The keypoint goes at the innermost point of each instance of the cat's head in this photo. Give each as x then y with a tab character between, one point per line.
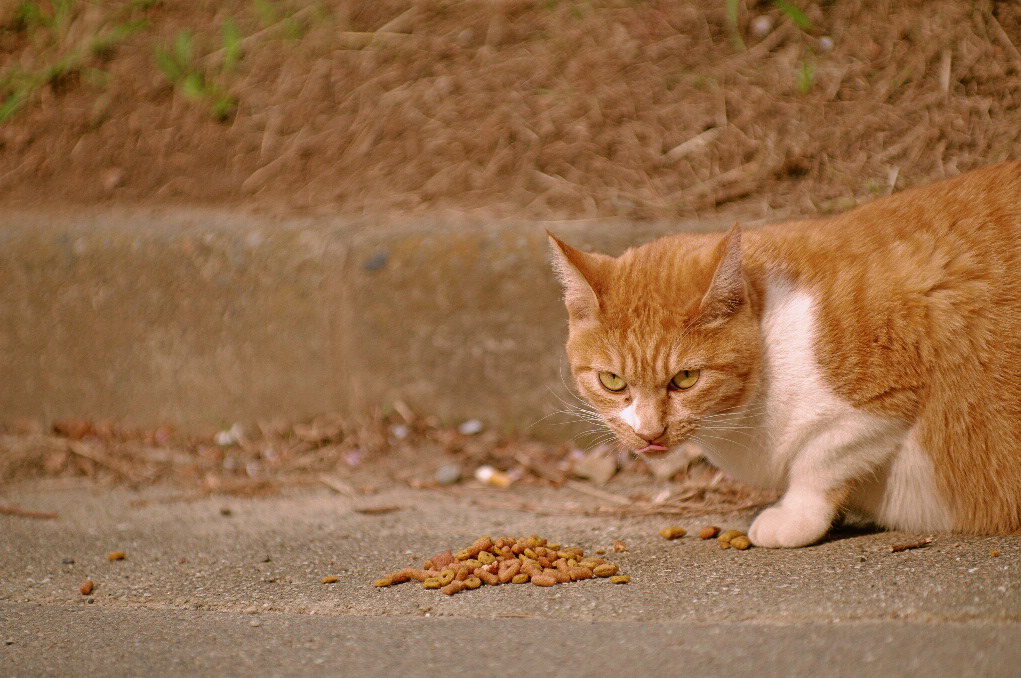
663	340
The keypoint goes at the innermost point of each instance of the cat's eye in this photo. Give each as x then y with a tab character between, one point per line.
611	382
684	379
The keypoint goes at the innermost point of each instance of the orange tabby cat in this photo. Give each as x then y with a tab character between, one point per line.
867	365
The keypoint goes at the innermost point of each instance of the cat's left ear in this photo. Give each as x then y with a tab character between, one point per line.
728	291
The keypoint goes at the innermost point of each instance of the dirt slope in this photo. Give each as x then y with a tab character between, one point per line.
538	108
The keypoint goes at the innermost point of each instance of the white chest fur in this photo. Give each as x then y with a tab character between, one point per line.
812	444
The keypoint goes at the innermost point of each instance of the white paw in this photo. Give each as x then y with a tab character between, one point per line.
789	527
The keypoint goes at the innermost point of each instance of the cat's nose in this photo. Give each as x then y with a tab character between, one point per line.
651	437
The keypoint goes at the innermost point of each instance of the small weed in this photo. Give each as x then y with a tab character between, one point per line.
47	23
266	12
31	15
182	69
793	12
16	90
103	43
805	78
733	7
232	51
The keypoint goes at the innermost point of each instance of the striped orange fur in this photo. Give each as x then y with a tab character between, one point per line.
867	364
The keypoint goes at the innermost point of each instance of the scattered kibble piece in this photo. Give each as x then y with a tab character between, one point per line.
727	535
620	579
87	586
994	553
672	532
116	555
740	542
619	546
329	580
504	560
708	532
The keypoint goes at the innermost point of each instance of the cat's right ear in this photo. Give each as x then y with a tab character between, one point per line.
578	272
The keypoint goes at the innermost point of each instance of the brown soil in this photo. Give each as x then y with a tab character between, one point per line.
523	108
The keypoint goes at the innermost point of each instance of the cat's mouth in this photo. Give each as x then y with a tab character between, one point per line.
654	449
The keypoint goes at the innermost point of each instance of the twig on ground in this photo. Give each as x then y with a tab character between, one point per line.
599	494
25	513
337	485
377	510
83	450
921	543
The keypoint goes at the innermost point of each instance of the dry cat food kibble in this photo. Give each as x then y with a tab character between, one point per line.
87	587
725	540
708	532
740	543
506	560
116	555
672	532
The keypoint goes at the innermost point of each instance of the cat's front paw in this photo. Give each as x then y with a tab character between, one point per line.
786	527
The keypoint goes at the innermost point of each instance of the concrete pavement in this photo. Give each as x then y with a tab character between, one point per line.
229	586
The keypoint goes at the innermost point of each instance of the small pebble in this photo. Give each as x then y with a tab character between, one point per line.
255	622
761	25
470	427
448	474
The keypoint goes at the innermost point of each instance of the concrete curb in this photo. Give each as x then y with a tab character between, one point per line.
199	317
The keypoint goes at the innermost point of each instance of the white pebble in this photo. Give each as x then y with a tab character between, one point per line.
470	427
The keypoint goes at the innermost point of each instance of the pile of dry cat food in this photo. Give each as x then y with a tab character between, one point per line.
506	560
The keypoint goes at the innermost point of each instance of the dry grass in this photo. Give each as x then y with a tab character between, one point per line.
539	109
